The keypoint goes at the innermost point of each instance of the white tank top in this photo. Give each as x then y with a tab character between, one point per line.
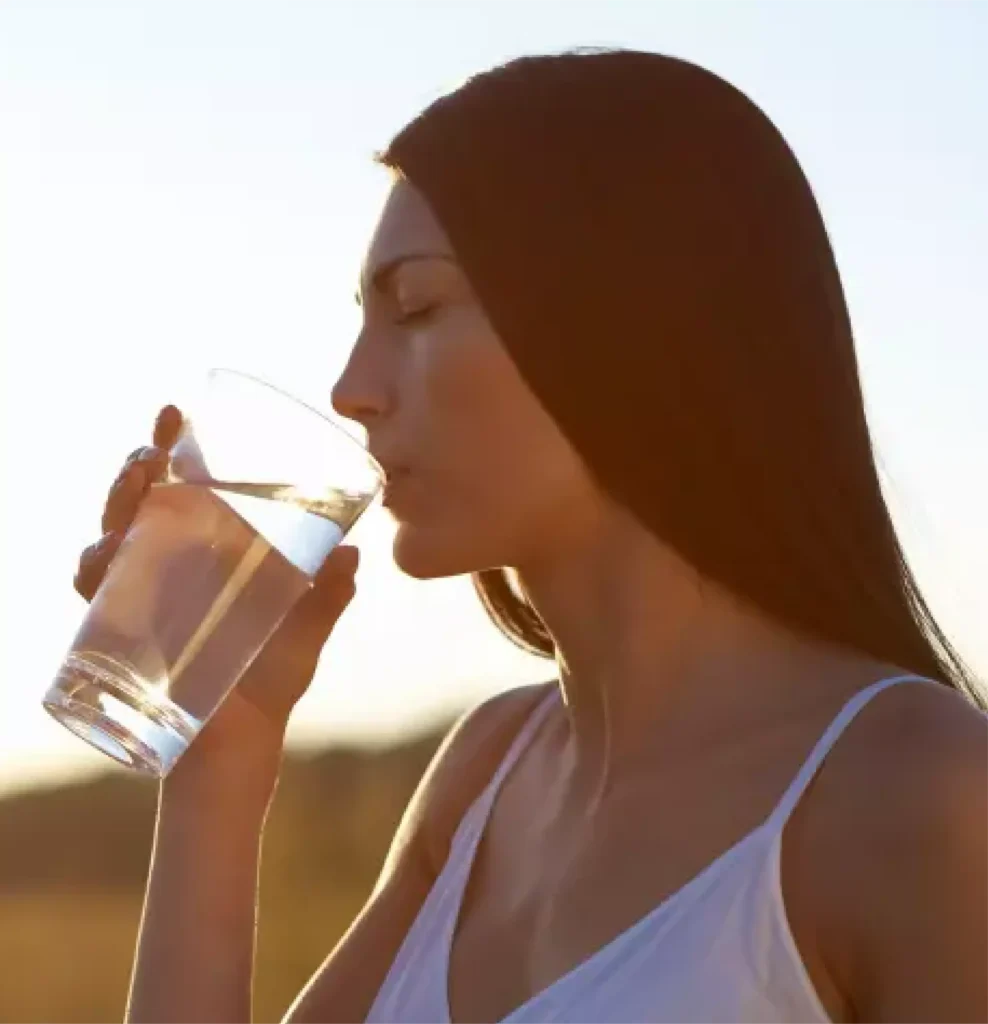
718	949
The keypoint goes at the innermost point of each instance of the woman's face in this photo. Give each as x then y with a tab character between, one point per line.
479	476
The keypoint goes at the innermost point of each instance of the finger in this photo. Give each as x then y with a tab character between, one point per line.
123	501
335	582
332	590
144	467
153	462
342	561
145	454
167	427
94	562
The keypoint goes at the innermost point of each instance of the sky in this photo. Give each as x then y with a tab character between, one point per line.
189	183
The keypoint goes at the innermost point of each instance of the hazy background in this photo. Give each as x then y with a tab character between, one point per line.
184	184
187	184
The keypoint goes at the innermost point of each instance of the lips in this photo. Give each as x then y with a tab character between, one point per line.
395	491
392	471
395	477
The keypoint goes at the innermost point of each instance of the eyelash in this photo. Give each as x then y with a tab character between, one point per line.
416	316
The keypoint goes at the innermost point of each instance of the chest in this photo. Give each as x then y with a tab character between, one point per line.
548	891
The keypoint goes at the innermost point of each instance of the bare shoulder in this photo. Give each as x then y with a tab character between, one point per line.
344	987
463	765
920	752
899	837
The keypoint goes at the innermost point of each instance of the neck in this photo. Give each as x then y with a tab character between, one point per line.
650	656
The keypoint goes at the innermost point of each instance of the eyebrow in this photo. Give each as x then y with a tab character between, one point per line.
382	274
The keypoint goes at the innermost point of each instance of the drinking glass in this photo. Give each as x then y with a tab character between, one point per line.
259	490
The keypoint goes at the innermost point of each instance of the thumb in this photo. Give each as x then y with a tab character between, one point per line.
343	560
332	590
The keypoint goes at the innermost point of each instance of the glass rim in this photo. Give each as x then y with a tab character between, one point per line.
228	371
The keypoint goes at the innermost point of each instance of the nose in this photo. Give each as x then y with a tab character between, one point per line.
360	393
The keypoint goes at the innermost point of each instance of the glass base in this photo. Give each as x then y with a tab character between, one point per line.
108	706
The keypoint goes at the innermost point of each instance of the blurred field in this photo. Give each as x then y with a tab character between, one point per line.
73	862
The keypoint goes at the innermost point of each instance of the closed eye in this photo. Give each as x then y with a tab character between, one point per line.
416	316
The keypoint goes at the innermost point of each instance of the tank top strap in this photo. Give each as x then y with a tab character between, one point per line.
525	736
843	719
474	821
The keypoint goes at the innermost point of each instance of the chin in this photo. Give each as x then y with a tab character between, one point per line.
427	554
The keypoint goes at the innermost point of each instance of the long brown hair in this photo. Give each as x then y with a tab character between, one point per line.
707	376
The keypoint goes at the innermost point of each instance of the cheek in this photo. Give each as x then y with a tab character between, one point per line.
498	471
487	431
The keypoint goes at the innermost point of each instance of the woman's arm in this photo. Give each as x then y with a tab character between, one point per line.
928	926
195	959
914	894
195	951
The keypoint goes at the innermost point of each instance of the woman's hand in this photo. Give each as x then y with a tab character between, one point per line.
244	737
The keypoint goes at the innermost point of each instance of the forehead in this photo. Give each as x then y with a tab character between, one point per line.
406	226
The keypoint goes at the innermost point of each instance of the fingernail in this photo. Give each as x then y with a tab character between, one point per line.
104	550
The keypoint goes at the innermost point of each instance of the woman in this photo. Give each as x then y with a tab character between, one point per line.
607	364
